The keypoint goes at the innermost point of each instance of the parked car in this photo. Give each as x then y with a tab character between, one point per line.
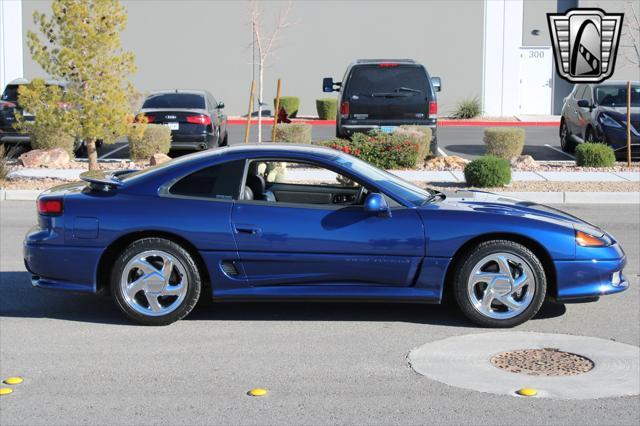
224	227
9	105
196	119
383	94
598	113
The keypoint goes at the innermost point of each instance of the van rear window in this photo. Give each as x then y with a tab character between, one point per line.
367	79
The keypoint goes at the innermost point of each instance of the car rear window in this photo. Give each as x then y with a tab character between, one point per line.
175	100
387	78
221	181
10	93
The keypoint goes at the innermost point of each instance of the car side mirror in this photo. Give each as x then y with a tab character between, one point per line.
376	203
328	85
583	103
437	83
220	105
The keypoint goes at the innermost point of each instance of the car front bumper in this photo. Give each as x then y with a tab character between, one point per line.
579	280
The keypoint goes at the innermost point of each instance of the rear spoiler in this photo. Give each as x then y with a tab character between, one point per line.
103	180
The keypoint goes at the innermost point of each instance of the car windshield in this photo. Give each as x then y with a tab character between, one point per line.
10	93
388	78
616	96
175	100
387	181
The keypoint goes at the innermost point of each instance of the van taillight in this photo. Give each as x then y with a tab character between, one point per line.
50	207
433	109
344	109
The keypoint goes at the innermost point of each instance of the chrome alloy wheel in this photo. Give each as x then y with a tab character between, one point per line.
501	286
154	283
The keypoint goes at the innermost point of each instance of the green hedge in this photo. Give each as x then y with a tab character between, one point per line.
293	132
46	137
488	172
327	108
595	155
504	142
387	151
290	105
155	140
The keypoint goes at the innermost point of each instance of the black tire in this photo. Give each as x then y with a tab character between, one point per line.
180	254
589	136
566	142
225	140
464	269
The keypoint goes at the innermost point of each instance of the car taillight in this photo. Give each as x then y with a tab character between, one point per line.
7	104
150	118
50	206
199	119
344	109
433	109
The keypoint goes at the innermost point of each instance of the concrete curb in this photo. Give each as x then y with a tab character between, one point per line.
536	197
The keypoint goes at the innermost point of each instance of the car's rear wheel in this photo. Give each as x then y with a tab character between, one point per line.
155	282
566	143
500	283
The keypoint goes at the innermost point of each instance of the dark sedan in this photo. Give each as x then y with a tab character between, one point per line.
196	118
598	113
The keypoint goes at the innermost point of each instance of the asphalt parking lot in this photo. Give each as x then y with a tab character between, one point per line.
542	143
322	363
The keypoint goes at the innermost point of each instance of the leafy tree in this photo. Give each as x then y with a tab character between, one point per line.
80	44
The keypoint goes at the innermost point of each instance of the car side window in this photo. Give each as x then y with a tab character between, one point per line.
588	96
221	181
579	92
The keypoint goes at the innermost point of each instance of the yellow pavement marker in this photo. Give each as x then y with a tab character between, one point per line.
13	381
257	392
5	391
527	392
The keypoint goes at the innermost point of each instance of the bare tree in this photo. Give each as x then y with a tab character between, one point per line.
266	44
631	29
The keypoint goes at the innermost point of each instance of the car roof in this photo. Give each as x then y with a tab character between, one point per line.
615	83
381	61
20	81
178	91
270	146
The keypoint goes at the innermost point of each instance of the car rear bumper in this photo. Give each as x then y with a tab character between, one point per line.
62	267
191	142
588	279
13	137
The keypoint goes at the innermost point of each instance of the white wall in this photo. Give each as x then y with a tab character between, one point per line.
10	41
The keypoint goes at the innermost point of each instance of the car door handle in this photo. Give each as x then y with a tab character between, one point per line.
247	229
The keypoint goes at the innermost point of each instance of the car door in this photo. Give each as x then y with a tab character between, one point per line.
315	243
572	109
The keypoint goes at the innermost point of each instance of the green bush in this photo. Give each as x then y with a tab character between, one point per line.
469	108
504	142
327	108
420	134
290	105
45	137
293	132
156	139
595	155
488	172
387	151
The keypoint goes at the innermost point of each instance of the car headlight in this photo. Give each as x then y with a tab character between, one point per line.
608	121
587	236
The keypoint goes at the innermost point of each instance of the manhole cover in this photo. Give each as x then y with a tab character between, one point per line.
542	362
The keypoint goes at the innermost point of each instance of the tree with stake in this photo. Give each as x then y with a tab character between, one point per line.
80	44
265	46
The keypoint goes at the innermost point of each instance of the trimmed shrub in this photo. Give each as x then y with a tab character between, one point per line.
293	132
488	172
156	139
420	134
595	155
290	104
387	151
504	142
469	108
327	108
45	137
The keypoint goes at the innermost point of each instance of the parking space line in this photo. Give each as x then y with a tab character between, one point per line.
111	152
560	151
442	152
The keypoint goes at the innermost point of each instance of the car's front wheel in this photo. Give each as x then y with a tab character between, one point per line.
500	283
566	143
155	281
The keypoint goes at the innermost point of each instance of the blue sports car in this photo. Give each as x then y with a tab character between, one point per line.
287	222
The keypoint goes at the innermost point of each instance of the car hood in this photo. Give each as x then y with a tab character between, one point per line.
487	202
620	112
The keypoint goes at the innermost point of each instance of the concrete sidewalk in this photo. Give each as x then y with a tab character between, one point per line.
411	175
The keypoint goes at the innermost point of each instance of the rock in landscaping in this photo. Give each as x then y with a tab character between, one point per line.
451	162
55	158
524	162
158	159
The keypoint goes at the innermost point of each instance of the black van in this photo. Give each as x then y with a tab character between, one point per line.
383	94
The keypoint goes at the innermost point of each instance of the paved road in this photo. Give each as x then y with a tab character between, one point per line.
541	142
322	363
